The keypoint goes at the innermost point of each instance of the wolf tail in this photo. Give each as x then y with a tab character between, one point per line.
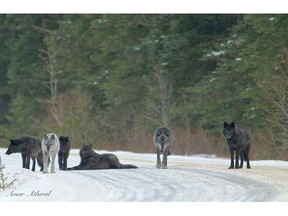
127	166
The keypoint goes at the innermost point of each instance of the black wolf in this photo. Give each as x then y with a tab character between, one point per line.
29	147
238	140
162	141
90	160
63	153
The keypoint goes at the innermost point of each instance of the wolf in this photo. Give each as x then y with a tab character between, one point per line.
90	160
238	140
29	147
50	147
162	138
63	153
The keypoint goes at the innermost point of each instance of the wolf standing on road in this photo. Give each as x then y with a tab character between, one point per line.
63	153
239	141
162	141
29	147
50	147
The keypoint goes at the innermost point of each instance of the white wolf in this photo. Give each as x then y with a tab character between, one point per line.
162	141
50	147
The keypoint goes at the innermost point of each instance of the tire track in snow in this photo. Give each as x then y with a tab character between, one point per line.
177	184
231	187
129	185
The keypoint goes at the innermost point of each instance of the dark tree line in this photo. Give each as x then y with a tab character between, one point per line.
112	79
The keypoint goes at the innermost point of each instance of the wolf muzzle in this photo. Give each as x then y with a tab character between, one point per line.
228	136
48	147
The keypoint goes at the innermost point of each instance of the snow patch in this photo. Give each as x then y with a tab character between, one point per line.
218	53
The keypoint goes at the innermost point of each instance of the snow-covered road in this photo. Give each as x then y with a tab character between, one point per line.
186	179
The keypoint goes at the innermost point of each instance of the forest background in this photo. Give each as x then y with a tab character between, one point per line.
112	79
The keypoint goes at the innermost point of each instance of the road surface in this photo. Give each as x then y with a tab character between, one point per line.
187	179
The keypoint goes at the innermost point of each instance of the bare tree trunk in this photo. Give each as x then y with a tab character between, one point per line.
164	94
48	56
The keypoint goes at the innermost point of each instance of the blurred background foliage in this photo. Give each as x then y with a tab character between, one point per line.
112	79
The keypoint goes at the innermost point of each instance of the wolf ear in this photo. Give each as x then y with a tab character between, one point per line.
13	142
233	125
225	124
90	146
45	136
52	137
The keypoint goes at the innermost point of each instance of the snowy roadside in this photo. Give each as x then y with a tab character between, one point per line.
187	179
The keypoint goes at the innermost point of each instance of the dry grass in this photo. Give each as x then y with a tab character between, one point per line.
196	142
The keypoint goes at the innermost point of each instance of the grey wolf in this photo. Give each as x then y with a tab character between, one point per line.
239	141
163	138
29	147
50	147
90	160
63	153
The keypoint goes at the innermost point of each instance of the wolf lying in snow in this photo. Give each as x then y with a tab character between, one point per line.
90	160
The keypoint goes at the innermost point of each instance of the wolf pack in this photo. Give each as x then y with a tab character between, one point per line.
44	152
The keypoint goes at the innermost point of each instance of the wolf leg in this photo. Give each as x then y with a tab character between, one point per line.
158	164
79	167
237	159
23	160
242	159
113	163
232	158
60	159
52	170
27	165
45	162
64	166
34	163
247	157
248	164
164	160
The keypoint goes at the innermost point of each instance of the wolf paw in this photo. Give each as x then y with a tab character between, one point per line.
164	167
